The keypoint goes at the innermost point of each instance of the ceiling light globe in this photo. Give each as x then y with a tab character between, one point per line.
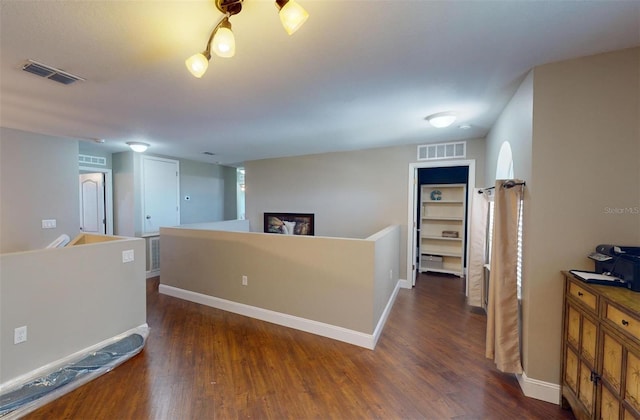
197	64
293	16
224	43
442	120
137	146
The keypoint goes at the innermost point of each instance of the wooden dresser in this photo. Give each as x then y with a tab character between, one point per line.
600	351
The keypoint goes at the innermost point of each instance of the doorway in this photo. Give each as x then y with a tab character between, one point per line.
413	224
96	200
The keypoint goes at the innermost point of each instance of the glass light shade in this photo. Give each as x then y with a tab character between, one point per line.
292	16
224	43
137	146
441	120
197	64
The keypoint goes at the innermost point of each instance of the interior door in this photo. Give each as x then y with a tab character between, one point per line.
161	194
92	209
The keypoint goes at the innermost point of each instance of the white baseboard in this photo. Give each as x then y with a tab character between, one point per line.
539	390
319	328
153	273
57	364
405	284
385	314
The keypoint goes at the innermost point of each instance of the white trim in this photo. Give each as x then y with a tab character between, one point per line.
539	390
405	284
385	314
153	273
108	191
319	328
413	185
57	364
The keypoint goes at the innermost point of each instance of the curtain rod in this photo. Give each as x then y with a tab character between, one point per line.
508	184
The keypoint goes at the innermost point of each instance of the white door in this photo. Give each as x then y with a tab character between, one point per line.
92	218
160	194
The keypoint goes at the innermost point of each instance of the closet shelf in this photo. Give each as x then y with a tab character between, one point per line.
441	238
438	253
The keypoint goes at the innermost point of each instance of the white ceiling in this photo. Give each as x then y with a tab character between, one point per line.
358	74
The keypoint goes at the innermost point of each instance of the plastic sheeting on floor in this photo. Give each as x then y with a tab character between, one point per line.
27	397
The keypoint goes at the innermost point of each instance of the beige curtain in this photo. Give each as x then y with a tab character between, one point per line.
503	341
477	245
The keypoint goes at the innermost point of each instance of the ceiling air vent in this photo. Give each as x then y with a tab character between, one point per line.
50	73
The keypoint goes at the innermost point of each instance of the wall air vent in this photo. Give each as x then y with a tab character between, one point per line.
442	151
50	73
92	160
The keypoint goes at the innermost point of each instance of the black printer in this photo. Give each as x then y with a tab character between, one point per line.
622	262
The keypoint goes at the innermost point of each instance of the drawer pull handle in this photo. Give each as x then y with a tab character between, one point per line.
580	294
625	322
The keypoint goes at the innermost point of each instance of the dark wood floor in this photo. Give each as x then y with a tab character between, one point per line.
203	363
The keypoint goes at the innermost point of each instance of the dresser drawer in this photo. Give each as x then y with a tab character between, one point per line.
583	295
624	321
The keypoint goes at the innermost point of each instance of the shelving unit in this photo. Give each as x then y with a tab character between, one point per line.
442	209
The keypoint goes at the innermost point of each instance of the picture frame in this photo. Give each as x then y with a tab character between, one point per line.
289	223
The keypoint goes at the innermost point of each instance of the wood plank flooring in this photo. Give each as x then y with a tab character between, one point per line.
203	363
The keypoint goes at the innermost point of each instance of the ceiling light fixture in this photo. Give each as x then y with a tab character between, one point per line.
222	41
138	146
441	119
292	15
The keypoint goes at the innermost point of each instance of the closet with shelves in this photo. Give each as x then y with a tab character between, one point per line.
442	228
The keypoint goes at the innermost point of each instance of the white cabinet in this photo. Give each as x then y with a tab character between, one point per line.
442	228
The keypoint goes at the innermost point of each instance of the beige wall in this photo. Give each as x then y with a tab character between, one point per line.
515	126
586	144
351	193
69	299
336	281
38	180
579	154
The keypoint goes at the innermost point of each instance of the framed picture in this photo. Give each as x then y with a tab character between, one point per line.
289	223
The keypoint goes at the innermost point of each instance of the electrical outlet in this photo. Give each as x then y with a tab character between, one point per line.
49	224
20	335
245	281
127	256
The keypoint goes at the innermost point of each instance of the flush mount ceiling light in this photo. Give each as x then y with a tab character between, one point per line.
222	41
441	119
138	146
